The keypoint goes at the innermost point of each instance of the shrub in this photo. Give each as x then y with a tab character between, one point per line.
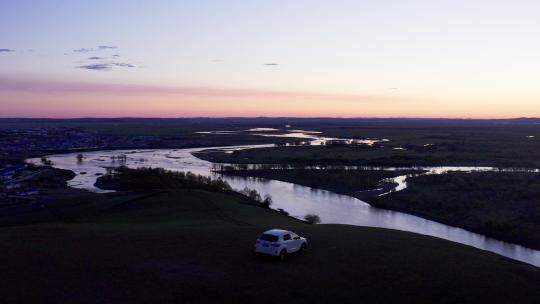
283	211
46	162
256	196
267	201
312	219
123	178
252	194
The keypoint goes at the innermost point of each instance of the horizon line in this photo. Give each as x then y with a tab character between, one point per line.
272	117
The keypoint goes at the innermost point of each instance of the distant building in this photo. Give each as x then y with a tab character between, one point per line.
12	186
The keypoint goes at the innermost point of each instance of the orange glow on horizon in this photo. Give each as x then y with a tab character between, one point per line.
56	99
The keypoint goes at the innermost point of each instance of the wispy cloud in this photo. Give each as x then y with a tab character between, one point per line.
123	64
108	66
83	50
96	67
6	50
99	48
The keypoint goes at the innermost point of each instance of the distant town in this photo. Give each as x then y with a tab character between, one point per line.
23	182
21	141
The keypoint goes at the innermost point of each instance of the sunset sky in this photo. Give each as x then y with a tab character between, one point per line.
470	59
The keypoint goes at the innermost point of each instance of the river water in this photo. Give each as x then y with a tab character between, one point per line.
295	199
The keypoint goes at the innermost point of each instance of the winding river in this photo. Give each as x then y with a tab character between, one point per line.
296	200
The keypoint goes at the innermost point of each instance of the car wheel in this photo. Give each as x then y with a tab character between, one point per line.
282	255
303	249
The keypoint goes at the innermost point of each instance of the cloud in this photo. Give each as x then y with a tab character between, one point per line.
6	50
271	64
96	67
122	64
83	50
99	48
108	66
96	58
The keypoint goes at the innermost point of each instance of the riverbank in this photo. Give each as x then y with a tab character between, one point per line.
196	246
362	184
500	205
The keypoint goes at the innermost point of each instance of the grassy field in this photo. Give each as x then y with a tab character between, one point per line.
420	144
505	206
195	246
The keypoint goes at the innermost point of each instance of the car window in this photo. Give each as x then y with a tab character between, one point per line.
269	238
286	237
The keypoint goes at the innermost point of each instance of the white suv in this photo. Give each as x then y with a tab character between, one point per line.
277	242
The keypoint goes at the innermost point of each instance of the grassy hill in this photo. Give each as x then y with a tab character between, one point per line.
193	246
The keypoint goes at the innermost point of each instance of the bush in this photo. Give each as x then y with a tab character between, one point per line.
46	162
256	196
123	178
280	210
312	219
267	201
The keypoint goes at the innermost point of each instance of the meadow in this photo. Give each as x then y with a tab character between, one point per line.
439	143
505	206
193	245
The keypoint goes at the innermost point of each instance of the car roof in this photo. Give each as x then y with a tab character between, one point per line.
277	232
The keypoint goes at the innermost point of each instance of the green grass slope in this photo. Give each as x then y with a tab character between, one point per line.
194	246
